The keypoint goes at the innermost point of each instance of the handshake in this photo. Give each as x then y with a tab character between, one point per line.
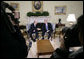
37	29
47	31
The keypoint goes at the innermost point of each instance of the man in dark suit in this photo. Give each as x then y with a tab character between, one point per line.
33	29
47	27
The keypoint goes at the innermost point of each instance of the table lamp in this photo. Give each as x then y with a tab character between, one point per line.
71	19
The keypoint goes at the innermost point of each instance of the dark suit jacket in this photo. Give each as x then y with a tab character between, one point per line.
49	27
32	27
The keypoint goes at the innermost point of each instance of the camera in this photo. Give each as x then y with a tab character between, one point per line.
71	37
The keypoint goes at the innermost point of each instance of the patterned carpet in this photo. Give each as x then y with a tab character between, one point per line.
33	50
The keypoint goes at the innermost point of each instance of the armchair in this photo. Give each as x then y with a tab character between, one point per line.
58	29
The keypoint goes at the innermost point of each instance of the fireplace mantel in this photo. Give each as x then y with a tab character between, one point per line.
39	19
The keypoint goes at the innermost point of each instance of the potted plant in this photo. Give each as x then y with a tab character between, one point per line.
38	14
29	14
45	13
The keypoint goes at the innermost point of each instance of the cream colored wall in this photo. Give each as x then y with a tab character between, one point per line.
75	7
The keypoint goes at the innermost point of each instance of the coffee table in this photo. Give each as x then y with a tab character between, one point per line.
44	47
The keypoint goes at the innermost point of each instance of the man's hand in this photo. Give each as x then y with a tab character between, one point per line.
38	29
48	30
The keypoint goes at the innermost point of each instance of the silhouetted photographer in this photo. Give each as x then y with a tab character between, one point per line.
12	42
73	37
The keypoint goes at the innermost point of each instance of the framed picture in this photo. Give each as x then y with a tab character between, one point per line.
37	6
59	10
15	6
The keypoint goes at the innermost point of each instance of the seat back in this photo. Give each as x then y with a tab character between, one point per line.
53	26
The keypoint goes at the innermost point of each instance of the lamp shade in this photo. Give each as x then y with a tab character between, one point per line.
71	18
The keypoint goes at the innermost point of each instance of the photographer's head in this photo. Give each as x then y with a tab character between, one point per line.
80	23
5	5
74	34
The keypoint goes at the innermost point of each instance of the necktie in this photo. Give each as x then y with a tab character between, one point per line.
46	27
34	25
